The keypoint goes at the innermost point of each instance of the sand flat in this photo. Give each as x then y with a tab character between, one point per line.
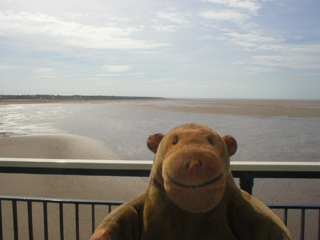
249	107
54	146
58	186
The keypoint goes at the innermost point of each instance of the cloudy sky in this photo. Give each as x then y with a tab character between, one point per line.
178	48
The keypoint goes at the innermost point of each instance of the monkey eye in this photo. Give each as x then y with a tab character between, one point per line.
210	140
175	140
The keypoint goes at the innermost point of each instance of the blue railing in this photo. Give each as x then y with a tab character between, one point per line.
44	218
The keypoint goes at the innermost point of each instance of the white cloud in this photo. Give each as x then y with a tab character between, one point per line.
292	61
251	37
46	76
119	71
206	37
117	68
5	67
135	75
249	41
48	73
165	28
280	55
138	74
260	69
120	19
44	70
167	84
108	75
249	5
256	41
168	22
76	16
293	48
71	33
225	15
173	17
146	52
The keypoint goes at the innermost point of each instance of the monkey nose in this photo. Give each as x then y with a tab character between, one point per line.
194	163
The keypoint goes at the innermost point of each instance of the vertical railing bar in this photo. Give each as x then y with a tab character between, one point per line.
1	233
77	221
302	224
61	220
30	223
246	181
319	225
45	221
15	219
285	217
109	207
93	226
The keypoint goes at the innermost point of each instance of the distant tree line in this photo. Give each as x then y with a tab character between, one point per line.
69	97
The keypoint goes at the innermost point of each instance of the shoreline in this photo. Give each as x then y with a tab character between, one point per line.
71	99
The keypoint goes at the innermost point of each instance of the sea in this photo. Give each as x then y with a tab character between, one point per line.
124	125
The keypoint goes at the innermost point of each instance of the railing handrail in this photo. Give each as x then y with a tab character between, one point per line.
62	200
147	164
245	171
77	163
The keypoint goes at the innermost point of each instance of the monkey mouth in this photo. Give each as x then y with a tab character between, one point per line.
195	186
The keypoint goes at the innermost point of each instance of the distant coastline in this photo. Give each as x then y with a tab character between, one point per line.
46	98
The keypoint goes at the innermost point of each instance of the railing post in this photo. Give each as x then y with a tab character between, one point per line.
61	221
30	220
15	219
45	221
1	235
246	182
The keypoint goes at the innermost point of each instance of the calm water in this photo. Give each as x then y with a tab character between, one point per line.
126	125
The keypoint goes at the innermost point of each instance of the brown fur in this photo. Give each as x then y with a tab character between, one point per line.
191	195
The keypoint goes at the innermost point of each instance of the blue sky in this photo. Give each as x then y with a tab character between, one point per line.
182	48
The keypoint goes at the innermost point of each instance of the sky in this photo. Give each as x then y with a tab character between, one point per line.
178	49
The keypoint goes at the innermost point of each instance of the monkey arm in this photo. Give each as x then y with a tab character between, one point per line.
258	221
124	223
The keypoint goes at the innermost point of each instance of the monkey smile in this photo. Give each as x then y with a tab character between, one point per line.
194	186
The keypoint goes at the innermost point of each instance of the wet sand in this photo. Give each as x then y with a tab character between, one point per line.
246	107
57	186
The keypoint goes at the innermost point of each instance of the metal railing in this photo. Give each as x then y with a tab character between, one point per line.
302	209
14	230
18	223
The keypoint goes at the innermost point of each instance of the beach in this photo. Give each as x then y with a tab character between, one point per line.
62	147
119	131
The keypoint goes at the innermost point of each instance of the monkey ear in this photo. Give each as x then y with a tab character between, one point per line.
231	144
154	141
